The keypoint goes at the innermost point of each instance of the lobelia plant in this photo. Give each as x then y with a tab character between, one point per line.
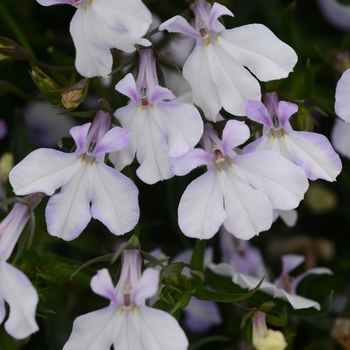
156	177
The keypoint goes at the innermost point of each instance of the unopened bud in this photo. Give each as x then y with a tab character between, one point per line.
75	95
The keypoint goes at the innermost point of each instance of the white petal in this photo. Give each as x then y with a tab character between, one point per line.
289	217
43	170
159	330
102	284
204	92
114	199
146	287
201	211
314	154
296	301
178	24
257	48
337	13
234	134
248	211
269	172
68	212
95	330
183	125
342	100
22	297
340	137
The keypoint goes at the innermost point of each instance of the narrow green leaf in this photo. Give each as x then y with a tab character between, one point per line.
198	255
277	321
199	343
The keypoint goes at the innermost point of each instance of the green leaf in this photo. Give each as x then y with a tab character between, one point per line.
84	115
309	82
277	321
203	293
45	310
213	338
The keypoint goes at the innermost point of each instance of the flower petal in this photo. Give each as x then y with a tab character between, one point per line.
57	2
257	111
279	179
22	297
43	170
342	100
68	212
147	286
340	137
95	330
127	87
285	111
178	24
257	48
234	134
160	93
102	284
114	199
79	134
201	211
217	11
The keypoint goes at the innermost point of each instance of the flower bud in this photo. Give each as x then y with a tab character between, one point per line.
265	338
75	95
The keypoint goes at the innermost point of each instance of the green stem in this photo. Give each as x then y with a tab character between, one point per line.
8	19
198	255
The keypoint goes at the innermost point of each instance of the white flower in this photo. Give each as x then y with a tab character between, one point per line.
216	67
127	323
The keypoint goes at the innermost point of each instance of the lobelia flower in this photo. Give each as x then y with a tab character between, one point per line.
283	287
312	152
158	129
265	338
238	191
336	13
127	322
100	25
15	287
84	178
216	67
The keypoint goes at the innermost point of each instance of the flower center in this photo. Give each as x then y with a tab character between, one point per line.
144	97
127	292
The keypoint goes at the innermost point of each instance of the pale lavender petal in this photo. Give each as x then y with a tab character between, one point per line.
68	212
127	87
182	124
280	180
248	211
314	154
285	111
160	93
289	217
114	199
342	100
200	315
340	137
74	3
102	284
114	140
79	134
296	301
147	286
314	271
3	129
11	228
95	330
157	330
257	111
2	309
264	142
337	13
43	170
289	263
22	298
178	24
257	48
201	210
234	134
217	11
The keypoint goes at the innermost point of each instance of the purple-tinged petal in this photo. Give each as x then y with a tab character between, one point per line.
157	330
264	142
337	13
114	140
22	298
114	199
3	129
289	263
256	111
95	330
314	271
314	154
102	284
340	137
234	134
201	210
182	124
289	217
74	3
257	48
217	11
248	211
147	286
200	315
127	87
79	134
280	180
297	302
342	100
192	159
285	111
2	309
68	212
11	228
178	24
160	93
43	170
